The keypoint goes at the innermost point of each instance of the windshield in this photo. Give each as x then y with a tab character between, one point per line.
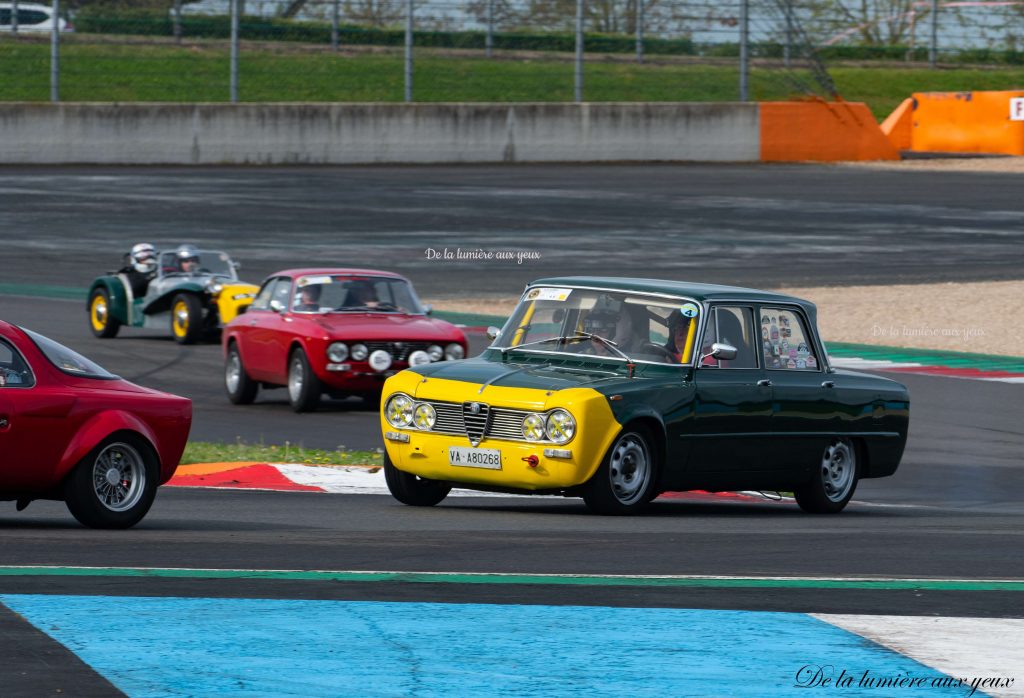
68	361
584	321
202	262
341	294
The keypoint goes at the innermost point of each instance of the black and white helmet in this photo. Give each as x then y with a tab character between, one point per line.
144	257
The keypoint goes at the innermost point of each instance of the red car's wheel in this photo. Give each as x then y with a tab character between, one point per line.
114	486
304	387
240	387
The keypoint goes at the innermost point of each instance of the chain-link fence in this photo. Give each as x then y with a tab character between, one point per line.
482	50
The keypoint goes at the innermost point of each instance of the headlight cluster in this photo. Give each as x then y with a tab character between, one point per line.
558	426
214	287
401	411
380	360
337	352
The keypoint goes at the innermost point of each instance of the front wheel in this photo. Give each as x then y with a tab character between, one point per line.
627	479
303	386
833	482
240	387
114	486
101	322
412	490
186	318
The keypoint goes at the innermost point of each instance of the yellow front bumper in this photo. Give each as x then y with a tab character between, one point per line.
426	453
233	298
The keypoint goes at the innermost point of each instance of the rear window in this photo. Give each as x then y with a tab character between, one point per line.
68	361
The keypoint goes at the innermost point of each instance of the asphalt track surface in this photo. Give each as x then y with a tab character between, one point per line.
757	226
952	511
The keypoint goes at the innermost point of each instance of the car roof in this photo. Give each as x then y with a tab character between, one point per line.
323	271
696	291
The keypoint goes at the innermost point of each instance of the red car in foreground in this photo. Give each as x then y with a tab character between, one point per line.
71	431
336	331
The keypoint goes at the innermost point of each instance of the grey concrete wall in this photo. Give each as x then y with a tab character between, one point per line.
189	134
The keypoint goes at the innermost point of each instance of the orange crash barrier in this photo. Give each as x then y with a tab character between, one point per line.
822	131
959	122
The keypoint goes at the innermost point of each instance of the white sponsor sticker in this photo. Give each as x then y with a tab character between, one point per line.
1017	109
311	280
548	294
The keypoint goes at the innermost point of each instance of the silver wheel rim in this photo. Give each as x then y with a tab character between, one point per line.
296	379
629	468
119	477
233	372
838	467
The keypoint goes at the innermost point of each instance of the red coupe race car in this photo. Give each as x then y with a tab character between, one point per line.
335	331
71	431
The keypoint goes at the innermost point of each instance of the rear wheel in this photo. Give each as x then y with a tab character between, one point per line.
241	389
411	489
304	387
101	322
833	482
114	486
627	479
186	318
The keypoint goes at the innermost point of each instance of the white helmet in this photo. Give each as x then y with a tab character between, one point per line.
144	257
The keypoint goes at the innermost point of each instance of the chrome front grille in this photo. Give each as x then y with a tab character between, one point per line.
496	422
399	350
475	415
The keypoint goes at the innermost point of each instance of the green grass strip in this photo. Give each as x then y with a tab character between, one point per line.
538	579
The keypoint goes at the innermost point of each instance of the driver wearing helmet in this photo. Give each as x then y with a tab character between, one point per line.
141	268
188	259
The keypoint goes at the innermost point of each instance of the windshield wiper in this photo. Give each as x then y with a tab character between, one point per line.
578	337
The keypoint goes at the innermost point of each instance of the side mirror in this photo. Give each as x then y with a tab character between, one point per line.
237	266
277	306
720	352
493	332
428	309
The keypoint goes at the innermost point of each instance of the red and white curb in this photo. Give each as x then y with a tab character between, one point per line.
354	479
912	367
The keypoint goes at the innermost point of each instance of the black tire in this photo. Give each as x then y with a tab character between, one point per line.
303	386
187	325
241	389
101	322
412	490
833	481
627	480
97	502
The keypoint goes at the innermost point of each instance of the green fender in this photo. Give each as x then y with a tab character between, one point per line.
118	305
162	303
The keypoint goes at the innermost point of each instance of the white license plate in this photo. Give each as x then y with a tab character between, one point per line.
489	458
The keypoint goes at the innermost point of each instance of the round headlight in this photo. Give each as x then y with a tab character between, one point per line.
533	427
214	287
398	410
454	351
560	427
418	358
423	417
436	352
380	360
359	352
337	352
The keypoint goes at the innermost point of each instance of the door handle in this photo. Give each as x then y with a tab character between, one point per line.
828	384
764	383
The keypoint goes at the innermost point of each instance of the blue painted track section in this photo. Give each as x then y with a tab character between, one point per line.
193	646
